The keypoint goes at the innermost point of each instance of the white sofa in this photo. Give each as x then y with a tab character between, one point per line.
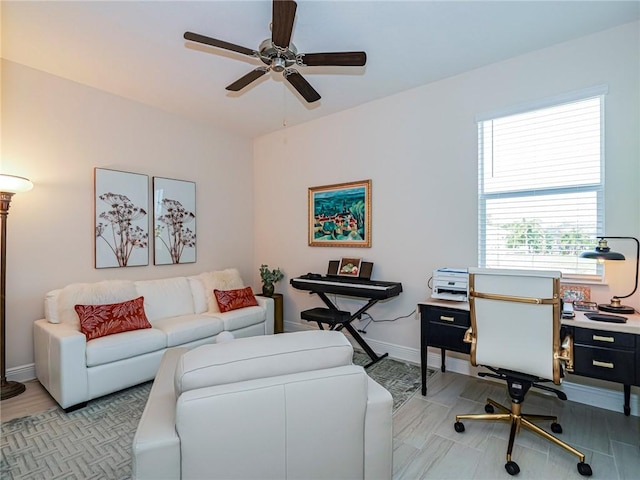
283	406
181	310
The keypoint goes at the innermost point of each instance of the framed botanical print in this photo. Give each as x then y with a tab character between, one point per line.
340	215
121	203
174	217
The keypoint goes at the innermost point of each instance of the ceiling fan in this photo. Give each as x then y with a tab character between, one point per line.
279	54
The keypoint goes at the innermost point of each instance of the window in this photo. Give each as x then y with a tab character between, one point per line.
541	185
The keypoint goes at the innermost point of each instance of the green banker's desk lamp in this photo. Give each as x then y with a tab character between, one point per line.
603	252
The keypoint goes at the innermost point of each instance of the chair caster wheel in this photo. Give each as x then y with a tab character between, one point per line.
512	468
459	427
556	427
489	408
584	469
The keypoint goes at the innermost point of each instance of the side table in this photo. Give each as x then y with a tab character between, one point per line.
278	312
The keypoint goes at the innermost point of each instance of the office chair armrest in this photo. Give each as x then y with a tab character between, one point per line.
469	336
566	353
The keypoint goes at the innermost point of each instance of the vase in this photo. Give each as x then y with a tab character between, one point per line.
267	289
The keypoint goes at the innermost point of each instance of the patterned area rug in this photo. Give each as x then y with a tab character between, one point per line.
95	442
401	379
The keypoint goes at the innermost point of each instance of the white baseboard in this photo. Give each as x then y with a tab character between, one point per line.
22	374
609	399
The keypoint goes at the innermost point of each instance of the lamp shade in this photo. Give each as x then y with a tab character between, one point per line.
14	184
602	252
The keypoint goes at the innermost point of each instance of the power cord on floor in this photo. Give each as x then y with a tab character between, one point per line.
371	319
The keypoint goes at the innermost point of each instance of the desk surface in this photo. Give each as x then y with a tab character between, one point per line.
580	320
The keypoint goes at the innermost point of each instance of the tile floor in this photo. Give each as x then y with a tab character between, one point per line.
427	446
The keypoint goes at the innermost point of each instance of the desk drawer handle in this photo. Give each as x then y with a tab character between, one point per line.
604	339
596	363
448	319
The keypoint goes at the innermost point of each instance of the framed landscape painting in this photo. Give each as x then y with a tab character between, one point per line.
340	215
121	202
174	221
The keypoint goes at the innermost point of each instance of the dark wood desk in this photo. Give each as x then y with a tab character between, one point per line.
606	351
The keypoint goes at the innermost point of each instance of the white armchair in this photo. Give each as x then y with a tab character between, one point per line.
285	406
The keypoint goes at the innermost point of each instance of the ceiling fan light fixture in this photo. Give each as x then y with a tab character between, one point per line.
278	64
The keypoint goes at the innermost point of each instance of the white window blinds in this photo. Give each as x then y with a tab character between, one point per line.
541	187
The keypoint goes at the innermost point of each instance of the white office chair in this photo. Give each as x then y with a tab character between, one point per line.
515	333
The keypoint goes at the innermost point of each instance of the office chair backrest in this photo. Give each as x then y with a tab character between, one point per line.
515	319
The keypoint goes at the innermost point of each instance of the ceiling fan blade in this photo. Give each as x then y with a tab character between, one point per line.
247	79
301	85
284	12
196	37
341	59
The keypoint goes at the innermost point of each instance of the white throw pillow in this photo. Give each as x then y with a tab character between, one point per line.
228	279
99	293
51	306
166	297
200	304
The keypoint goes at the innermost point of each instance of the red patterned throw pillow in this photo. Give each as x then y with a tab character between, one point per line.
233	299
100	320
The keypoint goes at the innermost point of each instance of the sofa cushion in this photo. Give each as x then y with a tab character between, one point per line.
200	303
237	319
166	297
235	299
263	356
101	320
227	279
99	293
124	345
51	306
188	328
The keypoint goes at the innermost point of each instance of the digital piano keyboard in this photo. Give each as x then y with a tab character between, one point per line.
354	287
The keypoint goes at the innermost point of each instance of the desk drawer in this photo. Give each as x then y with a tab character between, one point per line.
448	316
605	363
447	327
605	338
448	337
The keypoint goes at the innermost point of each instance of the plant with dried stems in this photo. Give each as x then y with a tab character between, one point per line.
178	237
124	237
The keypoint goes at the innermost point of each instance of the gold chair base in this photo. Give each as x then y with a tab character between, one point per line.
517	420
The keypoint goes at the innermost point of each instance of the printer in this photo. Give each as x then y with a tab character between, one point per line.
451	284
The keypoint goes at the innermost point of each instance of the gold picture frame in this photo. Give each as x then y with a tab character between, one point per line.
340	215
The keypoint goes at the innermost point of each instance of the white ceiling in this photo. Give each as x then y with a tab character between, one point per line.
135	49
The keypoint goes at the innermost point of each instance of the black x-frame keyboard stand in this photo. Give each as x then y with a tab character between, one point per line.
338	319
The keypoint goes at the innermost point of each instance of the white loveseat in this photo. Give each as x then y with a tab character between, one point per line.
181	310
283	406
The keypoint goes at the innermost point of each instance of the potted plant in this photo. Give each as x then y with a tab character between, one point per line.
269	277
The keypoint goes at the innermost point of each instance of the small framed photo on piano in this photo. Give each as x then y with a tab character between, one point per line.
349	267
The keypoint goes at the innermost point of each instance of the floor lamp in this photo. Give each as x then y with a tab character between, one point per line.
9	185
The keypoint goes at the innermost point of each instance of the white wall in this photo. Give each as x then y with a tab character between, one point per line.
55	132
420	150
418	147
